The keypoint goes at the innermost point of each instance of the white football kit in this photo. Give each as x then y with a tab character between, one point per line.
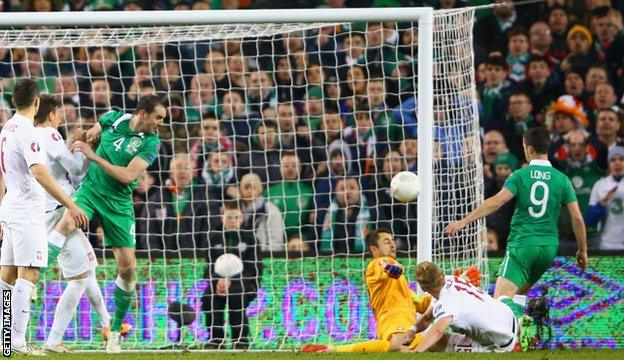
613	227
22	211
76	256
480	322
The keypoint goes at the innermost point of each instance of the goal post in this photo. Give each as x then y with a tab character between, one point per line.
96	61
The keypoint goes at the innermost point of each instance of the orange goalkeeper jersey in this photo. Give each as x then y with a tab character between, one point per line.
388	295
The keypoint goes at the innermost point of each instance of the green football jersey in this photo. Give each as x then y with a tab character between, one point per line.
119	145
540	191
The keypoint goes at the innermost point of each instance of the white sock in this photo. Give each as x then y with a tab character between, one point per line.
56	238
520	299
94	294
65	309
20	306
5	286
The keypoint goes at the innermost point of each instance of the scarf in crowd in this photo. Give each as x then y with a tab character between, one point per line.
181	197
361	224
517	66
218	178
490	96
523	125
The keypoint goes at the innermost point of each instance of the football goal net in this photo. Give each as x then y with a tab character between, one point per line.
284	129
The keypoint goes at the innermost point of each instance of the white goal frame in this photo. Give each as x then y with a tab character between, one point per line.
423	15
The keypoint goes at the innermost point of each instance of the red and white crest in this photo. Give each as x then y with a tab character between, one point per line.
35	147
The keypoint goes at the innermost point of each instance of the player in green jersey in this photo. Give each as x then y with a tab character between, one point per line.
540	191
128	145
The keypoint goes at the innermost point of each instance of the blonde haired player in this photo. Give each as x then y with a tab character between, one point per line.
479	322
394	304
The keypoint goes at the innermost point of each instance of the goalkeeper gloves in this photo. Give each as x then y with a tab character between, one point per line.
393	270
472	274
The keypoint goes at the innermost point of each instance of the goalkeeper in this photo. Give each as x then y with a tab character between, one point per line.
394	304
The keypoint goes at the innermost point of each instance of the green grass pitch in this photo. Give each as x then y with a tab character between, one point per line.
588	354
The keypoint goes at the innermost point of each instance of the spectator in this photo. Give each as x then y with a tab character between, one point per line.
558	21
347	220
292	195
490	33
296	246
493	145
260	92
606	203
201	99
610	40
291	139
574	85
583	170
565	115
262	216
608	125
172	215
579	43
409	152
313	108
201	5
103	64
518	54
492	240
540	40
380	112
264	156
518	120
212	140
386	211
133	5
234	293
503	165
236	121
219	175
214	65
495	91
541	87
180	5
604	97
596	74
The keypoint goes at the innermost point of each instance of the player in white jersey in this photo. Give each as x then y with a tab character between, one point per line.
479	322
22	212
606	203
76	259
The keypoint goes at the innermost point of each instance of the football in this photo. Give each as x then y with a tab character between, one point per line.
228	265
405	186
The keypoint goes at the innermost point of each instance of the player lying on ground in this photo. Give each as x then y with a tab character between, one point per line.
540	191
478	321
22	212
394	304
77	259
128	145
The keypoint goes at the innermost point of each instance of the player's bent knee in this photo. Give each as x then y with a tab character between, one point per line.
78	277
28	273
66	226
504	287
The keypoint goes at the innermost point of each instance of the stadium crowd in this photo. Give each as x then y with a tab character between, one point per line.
305	130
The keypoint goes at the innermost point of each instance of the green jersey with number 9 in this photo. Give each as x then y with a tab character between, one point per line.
119	145
540	191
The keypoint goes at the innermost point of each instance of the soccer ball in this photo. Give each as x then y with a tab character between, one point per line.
228	265
405	186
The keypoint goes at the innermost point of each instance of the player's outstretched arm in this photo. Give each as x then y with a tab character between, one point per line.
486	208
578	226
50	185
123	174
435	333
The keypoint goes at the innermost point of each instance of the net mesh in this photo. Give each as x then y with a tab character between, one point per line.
321	115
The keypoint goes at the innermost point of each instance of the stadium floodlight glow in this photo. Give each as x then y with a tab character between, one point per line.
433	98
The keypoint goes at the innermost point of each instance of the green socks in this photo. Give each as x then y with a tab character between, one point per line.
123	299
